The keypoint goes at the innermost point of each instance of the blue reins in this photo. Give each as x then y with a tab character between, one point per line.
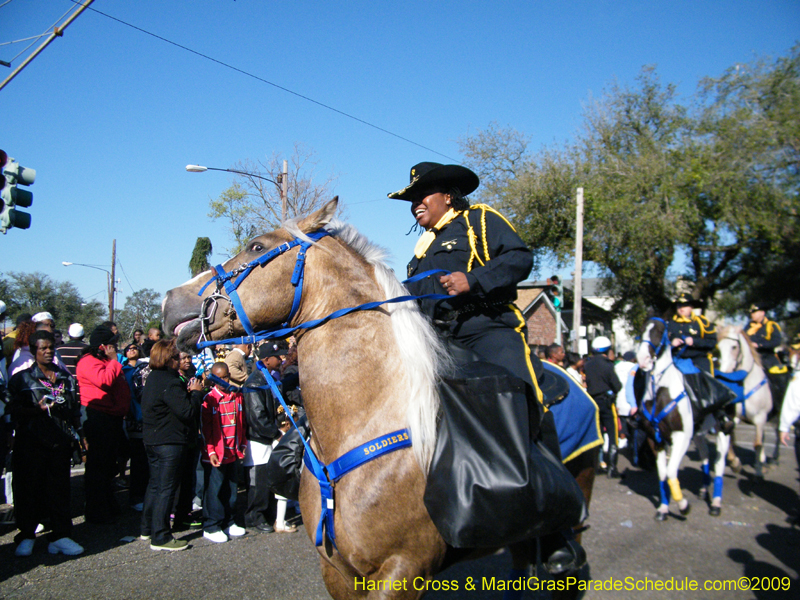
326	475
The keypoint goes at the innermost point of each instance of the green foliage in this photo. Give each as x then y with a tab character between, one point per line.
234	207
142	311
714	182
199	261
36	292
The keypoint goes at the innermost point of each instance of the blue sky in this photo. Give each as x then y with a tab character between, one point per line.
109	116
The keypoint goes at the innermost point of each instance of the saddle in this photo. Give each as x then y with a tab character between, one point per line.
496	475
706	394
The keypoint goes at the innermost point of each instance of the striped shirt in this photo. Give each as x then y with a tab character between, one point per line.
223	425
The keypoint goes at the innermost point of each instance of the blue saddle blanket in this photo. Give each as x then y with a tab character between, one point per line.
686	366
734	381
576	416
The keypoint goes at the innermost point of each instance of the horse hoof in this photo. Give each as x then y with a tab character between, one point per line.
661	516
714	511
685	511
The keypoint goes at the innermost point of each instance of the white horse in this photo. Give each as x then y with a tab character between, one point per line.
737	355
666	412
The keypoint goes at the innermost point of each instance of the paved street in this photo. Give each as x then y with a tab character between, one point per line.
752	538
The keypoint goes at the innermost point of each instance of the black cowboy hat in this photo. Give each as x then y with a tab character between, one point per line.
553	387
756	306
272	348
425	175
685	300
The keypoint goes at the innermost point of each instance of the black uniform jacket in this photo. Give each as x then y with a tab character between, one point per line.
495	262
768	336
259	410
703	334
601	378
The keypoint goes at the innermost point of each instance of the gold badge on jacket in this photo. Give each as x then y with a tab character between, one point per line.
449	245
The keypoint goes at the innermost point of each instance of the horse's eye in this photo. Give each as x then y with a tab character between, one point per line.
256	247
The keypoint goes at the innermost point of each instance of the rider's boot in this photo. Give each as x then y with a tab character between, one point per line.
613	451
726	424
561	554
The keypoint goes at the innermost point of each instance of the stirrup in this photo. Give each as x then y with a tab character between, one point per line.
567	560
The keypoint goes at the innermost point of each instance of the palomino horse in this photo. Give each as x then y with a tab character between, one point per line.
367	374
666	413
739	359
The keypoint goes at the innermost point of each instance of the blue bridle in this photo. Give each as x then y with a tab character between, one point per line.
226	280
326	475
664	337
655	419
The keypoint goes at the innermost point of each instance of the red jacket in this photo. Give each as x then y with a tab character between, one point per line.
103	386
212	426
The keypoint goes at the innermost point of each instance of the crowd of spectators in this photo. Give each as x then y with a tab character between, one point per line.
171	428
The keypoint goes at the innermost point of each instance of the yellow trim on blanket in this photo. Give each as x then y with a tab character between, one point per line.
599	440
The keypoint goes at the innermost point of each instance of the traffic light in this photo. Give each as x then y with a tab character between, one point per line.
12	196
556	292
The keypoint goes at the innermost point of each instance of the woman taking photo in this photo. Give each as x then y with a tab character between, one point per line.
107	398
42	403
170	411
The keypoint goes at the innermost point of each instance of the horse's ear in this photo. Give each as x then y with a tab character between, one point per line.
320	218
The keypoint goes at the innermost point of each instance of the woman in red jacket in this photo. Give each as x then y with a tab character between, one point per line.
106	396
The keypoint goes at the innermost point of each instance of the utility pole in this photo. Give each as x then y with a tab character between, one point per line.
112	288
577	288
284	189
57	32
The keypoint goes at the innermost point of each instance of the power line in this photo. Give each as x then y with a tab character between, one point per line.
275	85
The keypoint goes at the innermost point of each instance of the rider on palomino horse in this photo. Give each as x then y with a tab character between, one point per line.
484	259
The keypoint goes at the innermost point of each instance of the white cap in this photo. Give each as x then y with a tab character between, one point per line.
75	331
42	316
2	307
601	344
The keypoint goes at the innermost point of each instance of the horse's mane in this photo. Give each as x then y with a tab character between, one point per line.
423	355
725	330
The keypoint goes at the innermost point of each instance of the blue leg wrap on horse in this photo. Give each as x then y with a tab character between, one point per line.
664	492
717	487
706	473
516	574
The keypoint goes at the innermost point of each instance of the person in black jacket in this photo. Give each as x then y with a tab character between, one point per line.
602	384
43	406
766	336
170	416
485	259
261	430
692	336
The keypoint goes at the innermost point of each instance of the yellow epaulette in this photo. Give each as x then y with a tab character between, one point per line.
705	325
771	325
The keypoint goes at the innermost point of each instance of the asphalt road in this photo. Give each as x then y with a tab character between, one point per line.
752	538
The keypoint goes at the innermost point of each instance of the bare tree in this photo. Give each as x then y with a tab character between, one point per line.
252	205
